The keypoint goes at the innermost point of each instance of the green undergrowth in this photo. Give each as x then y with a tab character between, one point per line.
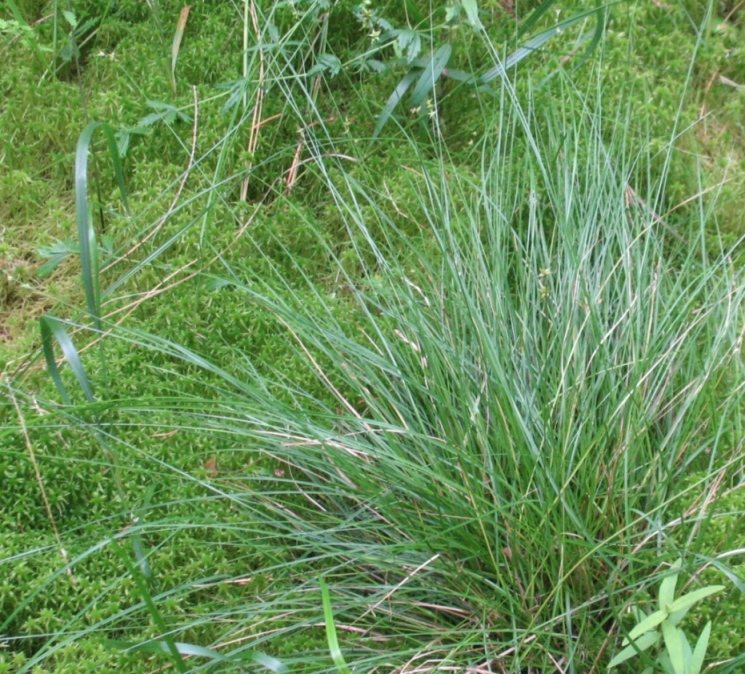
481	373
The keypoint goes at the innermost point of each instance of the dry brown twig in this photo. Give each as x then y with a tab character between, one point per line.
256	123
40	482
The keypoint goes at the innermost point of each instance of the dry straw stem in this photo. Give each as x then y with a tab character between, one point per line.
256	124
40	481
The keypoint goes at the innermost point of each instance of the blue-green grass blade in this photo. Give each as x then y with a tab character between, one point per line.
535	17
51	328
86	231
597	35
266	661
535	43
147	598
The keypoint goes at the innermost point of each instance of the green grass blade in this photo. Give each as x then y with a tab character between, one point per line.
193	650
597	35
534	44
147	598
52	328
331	636
86	230
535	17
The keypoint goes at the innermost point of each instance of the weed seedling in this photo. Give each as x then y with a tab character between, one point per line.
676	656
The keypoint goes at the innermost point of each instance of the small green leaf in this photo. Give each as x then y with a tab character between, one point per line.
70	17
409	44
674	646
326	62
641	644
451	13
664	660
699	653
393	100
649	623
217	283
687	653
667	586
431	73
471	8
54	254
687	600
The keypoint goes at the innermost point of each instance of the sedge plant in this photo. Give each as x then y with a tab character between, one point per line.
477	417
504	378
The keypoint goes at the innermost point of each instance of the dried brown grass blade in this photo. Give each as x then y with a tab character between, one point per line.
177	37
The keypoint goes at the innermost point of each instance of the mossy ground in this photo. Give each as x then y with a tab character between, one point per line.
124	64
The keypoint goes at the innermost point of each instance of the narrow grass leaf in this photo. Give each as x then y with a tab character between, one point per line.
51	327
333	641
596	37
533	45
534	17
176	46
149	601
86	232
193	650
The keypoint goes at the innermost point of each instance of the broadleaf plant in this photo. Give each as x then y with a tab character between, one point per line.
427	71
677	657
